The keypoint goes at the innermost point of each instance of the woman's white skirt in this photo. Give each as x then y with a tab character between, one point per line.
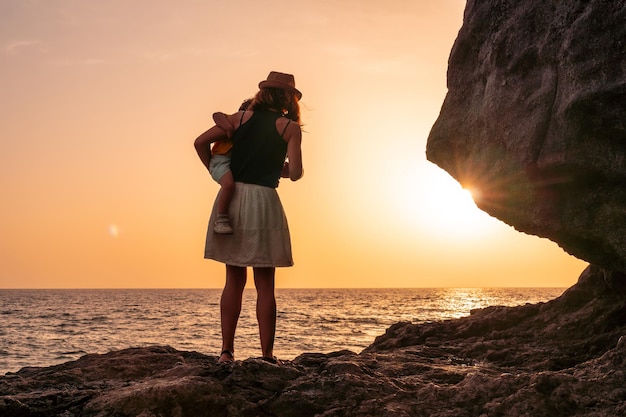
261	234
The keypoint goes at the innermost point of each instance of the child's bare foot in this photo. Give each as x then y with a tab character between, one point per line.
222	225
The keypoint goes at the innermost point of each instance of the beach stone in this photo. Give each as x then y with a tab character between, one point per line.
534	121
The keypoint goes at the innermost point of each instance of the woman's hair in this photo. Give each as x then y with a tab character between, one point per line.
245	104
277	99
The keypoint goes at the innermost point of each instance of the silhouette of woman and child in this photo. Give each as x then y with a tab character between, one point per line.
247	153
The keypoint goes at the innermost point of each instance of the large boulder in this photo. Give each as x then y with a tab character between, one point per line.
534	122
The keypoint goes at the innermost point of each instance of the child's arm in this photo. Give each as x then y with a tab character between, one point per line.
223	122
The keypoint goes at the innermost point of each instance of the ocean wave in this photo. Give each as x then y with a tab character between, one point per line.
51	327
74	352
9	312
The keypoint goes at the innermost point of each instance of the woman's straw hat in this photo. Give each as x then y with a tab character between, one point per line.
280	80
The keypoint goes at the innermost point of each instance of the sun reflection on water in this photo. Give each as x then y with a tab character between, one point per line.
458	302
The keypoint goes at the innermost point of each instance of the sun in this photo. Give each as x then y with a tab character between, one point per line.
451	208
442	207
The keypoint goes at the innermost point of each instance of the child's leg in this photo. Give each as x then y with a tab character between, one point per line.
222	222
226	193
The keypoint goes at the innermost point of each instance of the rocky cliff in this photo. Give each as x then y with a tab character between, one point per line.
534	121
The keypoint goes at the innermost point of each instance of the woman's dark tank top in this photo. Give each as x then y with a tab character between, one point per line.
259	151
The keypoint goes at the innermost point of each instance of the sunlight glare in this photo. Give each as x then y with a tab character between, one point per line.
449	209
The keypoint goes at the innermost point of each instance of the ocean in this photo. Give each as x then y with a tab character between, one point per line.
48	327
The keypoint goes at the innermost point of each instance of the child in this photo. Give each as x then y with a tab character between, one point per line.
219	167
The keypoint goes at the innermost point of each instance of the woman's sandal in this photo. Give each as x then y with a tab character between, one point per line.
271	359
230	356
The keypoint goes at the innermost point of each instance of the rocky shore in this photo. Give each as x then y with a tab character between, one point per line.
566	357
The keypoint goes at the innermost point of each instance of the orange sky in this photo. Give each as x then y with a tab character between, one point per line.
101	187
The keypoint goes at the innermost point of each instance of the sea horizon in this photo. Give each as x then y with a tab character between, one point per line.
45	327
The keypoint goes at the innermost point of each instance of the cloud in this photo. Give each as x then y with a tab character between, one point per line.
64	62
174	54
16	46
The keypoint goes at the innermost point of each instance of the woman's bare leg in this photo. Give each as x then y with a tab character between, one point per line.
266	308
230	306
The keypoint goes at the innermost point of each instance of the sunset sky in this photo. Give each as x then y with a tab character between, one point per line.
101	186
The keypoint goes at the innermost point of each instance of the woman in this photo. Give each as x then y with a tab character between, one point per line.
264	136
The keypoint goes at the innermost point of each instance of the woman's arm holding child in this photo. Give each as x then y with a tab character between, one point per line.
203	143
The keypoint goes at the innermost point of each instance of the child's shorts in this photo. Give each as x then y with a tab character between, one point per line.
218	166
